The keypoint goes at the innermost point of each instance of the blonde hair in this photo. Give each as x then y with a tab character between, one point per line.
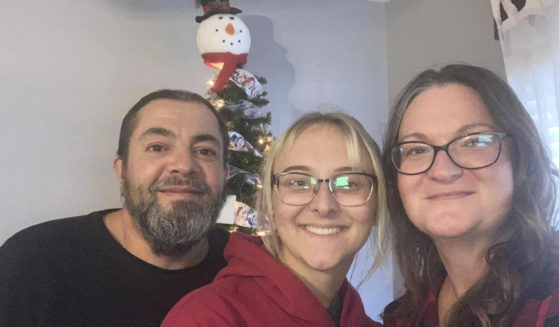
360	148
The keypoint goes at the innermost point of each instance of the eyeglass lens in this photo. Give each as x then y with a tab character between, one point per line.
470	152
347	189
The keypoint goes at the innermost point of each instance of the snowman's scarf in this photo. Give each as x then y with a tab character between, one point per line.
230	62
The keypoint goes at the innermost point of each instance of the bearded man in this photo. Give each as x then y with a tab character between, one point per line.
127	267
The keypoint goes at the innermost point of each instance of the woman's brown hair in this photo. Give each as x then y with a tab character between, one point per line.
523	252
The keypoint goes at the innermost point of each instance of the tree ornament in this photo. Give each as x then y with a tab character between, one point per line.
223	39
245	215
224	42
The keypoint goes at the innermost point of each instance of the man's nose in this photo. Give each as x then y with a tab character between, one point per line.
182	161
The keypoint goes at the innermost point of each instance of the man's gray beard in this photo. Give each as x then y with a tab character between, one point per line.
173	232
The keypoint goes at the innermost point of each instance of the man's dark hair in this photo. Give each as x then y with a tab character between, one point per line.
130	121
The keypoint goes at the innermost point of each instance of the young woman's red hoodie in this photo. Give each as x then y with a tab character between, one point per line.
254	289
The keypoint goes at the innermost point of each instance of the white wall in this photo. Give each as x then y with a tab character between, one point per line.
70	69
423	33
321	53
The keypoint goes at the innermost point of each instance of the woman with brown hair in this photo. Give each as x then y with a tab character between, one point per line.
471	191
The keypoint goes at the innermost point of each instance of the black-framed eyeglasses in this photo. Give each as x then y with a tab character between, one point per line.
471	151
349	189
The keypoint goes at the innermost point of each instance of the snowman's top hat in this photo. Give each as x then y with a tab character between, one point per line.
212	7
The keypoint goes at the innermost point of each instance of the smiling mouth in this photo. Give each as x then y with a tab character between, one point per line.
180	190
449	195
323	230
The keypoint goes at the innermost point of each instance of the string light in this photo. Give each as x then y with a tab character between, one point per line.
210	83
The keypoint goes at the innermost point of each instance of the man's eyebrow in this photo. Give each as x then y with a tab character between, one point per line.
157	131
205	137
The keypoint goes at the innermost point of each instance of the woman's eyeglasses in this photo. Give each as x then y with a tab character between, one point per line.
350	189
472	151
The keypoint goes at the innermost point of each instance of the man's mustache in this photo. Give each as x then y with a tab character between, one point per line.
194	181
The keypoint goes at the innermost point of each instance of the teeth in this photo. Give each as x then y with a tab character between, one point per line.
323	231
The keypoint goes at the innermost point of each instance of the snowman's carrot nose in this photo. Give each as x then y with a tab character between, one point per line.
230	29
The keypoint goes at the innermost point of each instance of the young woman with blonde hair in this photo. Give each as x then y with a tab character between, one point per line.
322	193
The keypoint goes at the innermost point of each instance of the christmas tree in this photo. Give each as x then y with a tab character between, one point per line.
224	42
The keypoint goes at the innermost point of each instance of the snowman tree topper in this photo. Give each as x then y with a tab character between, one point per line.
223	39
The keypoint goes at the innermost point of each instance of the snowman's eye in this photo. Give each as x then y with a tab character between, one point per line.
240	31
232	18
220	17
216	30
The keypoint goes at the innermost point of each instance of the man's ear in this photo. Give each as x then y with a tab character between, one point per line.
117	166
